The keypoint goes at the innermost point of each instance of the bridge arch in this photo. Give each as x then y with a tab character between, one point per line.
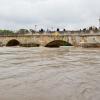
58	43
13	42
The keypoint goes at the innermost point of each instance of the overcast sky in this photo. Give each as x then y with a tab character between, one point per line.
70	14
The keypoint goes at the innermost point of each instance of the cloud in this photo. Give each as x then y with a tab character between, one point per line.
16	14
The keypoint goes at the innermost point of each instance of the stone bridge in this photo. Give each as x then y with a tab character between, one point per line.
51	40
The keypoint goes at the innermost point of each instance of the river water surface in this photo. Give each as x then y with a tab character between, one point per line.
49	73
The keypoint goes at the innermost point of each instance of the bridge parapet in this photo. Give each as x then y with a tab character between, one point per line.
43	39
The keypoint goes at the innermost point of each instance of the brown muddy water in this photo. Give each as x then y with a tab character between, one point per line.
65	73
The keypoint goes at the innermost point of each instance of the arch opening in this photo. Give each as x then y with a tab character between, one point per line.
13	43
58	43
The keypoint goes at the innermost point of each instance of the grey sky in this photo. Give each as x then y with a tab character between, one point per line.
72	14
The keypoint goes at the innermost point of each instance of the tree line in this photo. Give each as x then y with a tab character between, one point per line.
6	32
27	31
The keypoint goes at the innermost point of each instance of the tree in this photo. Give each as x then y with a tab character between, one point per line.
64	30
41	30
90	28
23	31
6	32
95	29
84	30
32	31
58	29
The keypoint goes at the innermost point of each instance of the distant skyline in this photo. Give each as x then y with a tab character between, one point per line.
69	14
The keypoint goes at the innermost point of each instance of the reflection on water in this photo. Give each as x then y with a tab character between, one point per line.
65	73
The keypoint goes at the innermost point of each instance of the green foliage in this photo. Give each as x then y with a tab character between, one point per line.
6	32
22	31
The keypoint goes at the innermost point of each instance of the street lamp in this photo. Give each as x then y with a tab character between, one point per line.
52	29
35	28
99	23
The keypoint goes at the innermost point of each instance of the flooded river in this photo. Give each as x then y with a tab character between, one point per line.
65	73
